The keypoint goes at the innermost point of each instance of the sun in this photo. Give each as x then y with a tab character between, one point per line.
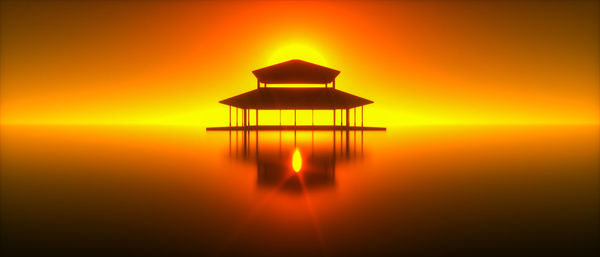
297	51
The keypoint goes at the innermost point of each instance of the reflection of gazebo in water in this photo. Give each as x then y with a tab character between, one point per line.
296	98
273	157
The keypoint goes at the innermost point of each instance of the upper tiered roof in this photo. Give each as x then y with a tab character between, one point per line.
295	72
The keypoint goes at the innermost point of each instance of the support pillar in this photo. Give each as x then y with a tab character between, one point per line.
294	117
279	117
362	117
236	116
256	118
244	118
334	118
313	117
230	116
354	116
347	121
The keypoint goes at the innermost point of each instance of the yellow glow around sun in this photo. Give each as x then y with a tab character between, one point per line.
297	161
297	51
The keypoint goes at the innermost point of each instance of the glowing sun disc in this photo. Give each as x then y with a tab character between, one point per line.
297	51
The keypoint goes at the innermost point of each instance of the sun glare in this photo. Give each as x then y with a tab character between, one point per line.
297	51
297	161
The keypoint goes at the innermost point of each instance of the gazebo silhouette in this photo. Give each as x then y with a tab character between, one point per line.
296	98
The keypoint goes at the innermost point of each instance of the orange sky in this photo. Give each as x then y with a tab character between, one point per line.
432	62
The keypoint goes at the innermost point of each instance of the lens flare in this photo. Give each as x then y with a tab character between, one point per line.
297	160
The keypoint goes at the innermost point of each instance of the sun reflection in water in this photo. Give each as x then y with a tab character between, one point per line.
297	160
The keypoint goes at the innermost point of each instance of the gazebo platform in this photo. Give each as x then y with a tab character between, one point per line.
298	127
295	98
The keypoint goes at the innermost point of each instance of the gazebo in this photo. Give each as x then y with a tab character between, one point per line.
296	98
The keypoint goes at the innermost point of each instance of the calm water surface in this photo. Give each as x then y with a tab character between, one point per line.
426	191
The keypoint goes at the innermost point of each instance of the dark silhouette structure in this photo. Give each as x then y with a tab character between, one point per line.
296	98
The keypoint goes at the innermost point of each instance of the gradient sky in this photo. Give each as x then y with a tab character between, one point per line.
432	62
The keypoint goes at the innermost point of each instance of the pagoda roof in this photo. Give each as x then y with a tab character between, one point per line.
296	98
295	72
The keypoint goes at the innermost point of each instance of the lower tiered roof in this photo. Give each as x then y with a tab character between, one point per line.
296	98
